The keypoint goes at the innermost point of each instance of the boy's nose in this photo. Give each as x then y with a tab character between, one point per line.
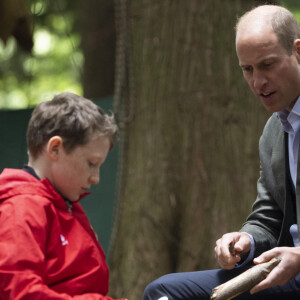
94	179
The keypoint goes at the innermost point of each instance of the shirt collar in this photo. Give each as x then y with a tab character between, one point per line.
290	120
31	171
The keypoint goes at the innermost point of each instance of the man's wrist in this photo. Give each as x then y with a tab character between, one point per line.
248	258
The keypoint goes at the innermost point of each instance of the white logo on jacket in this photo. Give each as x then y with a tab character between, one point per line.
64	241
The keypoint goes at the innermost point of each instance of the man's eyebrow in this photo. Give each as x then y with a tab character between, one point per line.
243	65
260	62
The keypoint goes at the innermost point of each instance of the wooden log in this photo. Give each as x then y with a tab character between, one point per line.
244	281
232	249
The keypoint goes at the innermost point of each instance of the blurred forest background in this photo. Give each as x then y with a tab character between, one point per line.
189	126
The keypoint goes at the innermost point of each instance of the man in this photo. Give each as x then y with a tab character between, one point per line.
268	50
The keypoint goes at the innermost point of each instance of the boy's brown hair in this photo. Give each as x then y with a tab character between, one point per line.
74	118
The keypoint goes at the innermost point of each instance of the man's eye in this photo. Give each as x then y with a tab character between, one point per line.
247	69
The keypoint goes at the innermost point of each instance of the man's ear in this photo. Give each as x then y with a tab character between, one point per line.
297	49
54	147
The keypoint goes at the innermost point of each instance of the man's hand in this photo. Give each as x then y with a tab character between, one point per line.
287	269
241	243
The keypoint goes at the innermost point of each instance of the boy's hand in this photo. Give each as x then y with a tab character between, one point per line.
287	269
240	244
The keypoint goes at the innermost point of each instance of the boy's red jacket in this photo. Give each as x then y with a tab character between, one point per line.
46	252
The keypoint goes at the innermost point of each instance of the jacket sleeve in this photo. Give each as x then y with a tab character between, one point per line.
265	221
23	234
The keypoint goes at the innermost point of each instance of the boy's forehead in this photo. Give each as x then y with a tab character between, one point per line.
95	141
97	148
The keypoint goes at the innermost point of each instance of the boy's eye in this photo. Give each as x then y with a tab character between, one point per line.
91	165
268	65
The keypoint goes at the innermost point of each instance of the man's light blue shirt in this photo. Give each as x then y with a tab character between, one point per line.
291	124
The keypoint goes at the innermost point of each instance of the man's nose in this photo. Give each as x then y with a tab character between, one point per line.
259	80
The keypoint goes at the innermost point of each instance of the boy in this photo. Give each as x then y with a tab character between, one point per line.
48	249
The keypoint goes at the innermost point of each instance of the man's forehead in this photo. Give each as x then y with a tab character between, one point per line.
258	48
256	38
256	23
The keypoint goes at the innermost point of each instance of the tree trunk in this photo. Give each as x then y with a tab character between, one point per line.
189	151
98	44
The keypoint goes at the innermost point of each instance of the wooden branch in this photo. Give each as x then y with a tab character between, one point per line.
244	281
232	249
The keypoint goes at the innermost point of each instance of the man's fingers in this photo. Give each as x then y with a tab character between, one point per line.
275	277
266	256
243	244
266	283
223	255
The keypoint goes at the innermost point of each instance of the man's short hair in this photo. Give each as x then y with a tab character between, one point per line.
283	23
286	28
74	118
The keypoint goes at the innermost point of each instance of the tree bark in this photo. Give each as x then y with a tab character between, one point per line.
189	160
97	28
15	21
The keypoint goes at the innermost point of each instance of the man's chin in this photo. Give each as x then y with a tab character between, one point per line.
271	108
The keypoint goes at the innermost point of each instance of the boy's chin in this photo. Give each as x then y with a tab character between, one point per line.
74	199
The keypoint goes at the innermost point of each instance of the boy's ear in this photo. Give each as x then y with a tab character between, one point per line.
297	47
54	147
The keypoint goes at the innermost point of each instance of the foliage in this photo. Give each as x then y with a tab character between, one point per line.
55	62
293	6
